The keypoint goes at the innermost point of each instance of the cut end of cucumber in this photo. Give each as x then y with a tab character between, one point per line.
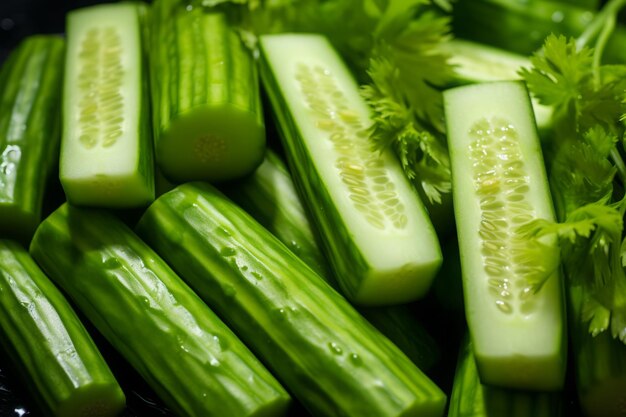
534	373
94	400
211	143
108	191
433	408
409	283
276	408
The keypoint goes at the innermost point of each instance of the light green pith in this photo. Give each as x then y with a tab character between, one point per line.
362	171
99	85
502	186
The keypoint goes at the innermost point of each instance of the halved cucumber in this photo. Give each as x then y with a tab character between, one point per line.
207	113
375	230
499	184
106	148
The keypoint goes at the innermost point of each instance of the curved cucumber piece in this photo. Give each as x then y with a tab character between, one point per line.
48	343
328	355
176	343
30	97
106	148
471	398
517	329
207	112
269	195
375	230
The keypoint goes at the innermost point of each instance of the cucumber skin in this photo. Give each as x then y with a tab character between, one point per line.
347	261
30	123
176	39
176	343
471	398
332	359
87	191
48	343
269	195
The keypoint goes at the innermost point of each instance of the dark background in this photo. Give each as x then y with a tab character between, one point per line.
19	18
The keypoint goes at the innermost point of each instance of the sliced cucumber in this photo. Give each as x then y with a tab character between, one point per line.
106	148
375	230
30	122
207	112
499	183
316	343
49	345
180	347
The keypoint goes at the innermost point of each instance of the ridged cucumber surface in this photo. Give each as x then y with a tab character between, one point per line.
517	327
269	195
329	356
188	356
106	147
48	344
30	122
374	228
207	112
471	398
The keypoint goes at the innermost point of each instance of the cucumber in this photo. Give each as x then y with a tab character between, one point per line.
324	352
48	344
471	398
207	112
106	147
197	366
269	195
373	226
30	122
499	184
475	62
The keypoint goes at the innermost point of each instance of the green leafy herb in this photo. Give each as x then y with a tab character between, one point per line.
587	172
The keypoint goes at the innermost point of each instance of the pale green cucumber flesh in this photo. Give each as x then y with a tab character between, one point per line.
30	97
188	356
374	228
328	355
471	398
106	150
517	331
212	143
49	345
205	89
